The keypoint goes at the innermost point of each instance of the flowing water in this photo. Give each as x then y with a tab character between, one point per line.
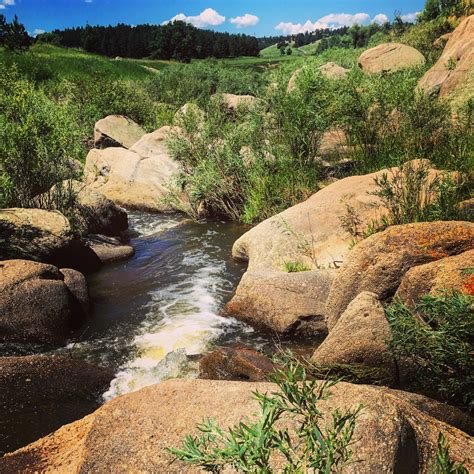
156	311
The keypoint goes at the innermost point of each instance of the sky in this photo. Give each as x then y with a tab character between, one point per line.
254	17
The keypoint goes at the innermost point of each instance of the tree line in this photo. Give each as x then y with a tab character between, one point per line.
178	40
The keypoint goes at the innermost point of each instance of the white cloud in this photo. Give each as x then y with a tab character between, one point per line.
37	31
380	19
6	3
245	20
410	17
333	20
208	17
88	1
2	6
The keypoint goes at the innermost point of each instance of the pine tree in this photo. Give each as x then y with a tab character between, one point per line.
16	37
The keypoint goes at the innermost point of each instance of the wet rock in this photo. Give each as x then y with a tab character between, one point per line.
456	64
451	273
39	394
396	431
138	178
116	130
235	363
359	338
109	249
389	57
37	305
378	263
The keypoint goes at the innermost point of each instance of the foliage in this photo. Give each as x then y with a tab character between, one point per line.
37	141
309	445
444	464
13	35
295	267
437	337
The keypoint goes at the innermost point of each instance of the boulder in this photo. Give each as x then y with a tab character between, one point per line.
450	273
109	249
389	57
456	64
293	82
45	236
40	304
189	110
116	130
138	178
291	303
333	71
333	144
395	432
234	102
378	263
39	394
359	338
235	363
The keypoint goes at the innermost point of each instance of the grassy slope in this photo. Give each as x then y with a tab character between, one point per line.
51	61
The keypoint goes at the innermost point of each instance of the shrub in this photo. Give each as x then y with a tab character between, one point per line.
437	337
444	464
295	267
38	139
309	445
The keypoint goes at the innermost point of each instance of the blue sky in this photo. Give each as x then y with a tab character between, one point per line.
257	17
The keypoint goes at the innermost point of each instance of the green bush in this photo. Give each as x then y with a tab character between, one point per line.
437	337
38	139
310	445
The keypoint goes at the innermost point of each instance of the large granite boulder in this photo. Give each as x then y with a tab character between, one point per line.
359	338
378	263
389	57
138	178
450	273
233	102
39	303
44	236
329	70
455	66
312	235
39	394
395	432
116	130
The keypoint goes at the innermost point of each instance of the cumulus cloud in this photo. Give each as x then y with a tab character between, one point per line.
208	17
410	17
37	31
333	20
380	19
245	20
6	3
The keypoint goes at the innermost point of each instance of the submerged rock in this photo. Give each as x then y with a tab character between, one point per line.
455	67
138	178
235	363
39	394
116	130
39	303
378	263
389	57
395	432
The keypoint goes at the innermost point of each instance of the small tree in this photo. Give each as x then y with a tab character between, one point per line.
16	38
3	29
289	52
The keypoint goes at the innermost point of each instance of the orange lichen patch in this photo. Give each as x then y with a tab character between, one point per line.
469	285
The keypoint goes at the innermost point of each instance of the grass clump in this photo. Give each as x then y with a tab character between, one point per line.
310	445
437	337
295	267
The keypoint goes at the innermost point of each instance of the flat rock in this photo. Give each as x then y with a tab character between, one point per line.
37	305
39	394
451	273
109	249
378	263
456	64
396	432
116	130
389	57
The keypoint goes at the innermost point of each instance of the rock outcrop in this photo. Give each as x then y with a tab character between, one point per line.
39	303
451	273
44	236
235	363
138	178
389	57
116	130
456	64
359	338
378	263
39	394
395	432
